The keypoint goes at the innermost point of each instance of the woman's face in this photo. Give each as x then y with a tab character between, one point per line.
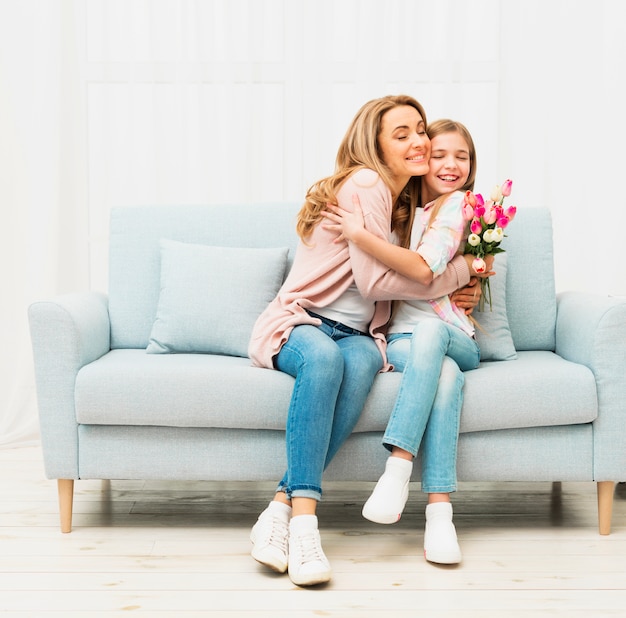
404	144
449	166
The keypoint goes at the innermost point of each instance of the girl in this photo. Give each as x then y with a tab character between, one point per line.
324	326
432	342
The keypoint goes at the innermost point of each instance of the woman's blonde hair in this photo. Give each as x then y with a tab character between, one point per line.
360	149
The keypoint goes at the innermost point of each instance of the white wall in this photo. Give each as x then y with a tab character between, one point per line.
245	100
120	102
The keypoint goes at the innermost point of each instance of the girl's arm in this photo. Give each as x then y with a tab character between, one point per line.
440	242
351	226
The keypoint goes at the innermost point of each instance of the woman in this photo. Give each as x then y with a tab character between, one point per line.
432	342
324	326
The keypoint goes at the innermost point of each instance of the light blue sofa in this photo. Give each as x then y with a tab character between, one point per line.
111	410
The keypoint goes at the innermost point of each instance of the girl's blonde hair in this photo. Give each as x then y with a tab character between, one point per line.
360	149
445	125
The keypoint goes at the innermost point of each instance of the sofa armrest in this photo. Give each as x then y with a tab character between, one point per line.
67	333
591	330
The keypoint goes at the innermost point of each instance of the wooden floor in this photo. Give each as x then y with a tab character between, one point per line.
181	550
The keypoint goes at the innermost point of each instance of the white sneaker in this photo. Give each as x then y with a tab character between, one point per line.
440	542
391	492
270	537
308	564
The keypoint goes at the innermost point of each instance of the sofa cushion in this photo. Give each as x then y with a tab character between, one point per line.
531	292
211	296
129	387
493	333
135	257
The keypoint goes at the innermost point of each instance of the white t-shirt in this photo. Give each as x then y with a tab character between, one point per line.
350	309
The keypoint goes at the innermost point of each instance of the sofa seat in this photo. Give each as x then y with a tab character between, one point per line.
201	387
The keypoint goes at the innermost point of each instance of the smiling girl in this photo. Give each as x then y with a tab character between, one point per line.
430	341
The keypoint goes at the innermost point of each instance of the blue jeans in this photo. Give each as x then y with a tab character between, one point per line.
427	412
334	367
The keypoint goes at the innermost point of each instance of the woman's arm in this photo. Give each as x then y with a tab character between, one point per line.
375	280
351	226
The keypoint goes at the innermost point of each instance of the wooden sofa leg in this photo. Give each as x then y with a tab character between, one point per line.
606	490
66	500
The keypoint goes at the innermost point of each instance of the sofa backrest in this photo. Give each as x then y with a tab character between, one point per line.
134	261
530	287
134	252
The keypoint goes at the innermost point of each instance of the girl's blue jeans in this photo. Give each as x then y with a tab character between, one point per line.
334	367
427	411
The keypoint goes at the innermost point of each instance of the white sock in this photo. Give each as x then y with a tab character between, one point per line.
399	467
279	509
303	522
439	509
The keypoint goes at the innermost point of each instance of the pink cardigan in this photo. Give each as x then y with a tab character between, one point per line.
323	270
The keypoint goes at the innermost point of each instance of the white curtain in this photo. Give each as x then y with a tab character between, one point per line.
119	102
44	245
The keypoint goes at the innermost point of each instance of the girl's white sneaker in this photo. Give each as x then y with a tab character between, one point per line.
391	492
440	541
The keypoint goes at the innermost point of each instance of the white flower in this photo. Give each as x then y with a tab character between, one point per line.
479	265
498	234
496	193
474	240
488	235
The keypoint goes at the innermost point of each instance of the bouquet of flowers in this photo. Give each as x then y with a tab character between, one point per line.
488	219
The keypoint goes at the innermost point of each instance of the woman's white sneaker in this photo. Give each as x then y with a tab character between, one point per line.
270	537
308	564
440	541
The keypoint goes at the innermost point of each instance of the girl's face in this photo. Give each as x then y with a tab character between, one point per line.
404	144
449	166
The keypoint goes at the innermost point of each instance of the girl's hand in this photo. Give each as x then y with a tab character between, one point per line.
347	224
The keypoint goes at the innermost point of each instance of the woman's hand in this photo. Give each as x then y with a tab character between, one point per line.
468	297
347	224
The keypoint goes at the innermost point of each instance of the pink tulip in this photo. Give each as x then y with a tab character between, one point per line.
510	212
503	221
476	226
479	200
490	214
470	199
468	212
479	211
479	265
506	188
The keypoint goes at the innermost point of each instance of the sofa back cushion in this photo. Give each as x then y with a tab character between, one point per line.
135	254
531	293
134	261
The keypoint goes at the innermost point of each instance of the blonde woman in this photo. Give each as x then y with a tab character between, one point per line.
324	326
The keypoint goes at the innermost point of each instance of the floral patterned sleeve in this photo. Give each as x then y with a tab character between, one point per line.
441	240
